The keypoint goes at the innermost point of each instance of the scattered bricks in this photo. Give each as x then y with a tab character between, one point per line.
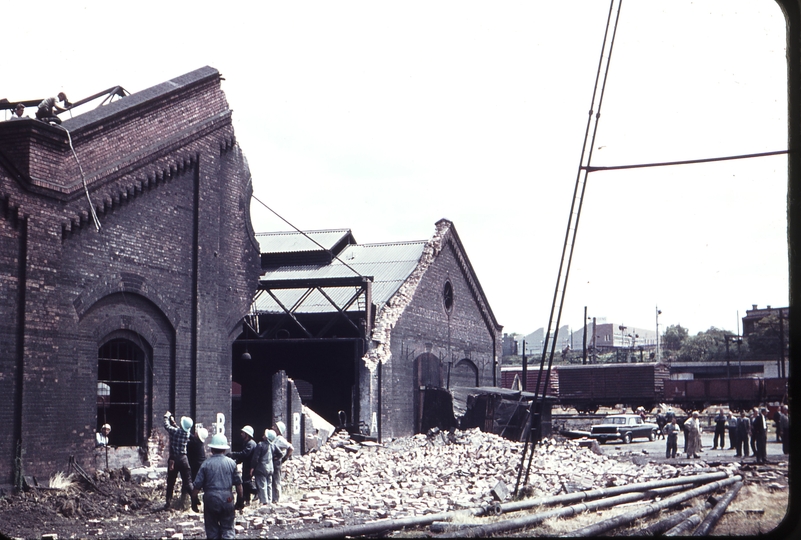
239	529
187	526
178	536
51	536
417	475
169	531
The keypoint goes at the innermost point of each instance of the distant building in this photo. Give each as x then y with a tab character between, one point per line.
610	336
755	314
511	344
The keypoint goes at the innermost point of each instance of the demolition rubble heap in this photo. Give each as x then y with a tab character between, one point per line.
347	482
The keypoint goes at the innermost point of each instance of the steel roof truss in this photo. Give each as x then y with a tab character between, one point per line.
290	313
341	310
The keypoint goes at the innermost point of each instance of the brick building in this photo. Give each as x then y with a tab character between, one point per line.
372	335
145	308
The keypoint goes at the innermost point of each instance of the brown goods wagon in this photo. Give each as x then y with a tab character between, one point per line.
775	389
508	377
611	384
697	389
675	389
744	390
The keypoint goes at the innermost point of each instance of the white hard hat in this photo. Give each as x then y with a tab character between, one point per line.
186	423
281	427
270	434
202	433
219	442
248	430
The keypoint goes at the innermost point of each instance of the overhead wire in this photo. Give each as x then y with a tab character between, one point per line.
538	401
589	168
306	235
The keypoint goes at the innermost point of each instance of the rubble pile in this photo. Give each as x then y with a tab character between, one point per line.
346	481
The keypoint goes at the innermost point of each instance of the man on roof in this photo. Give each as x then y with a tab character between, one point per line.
48	109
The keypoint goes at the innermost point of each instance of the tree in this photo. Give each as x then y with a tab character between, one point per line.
764	341
705	346
673	337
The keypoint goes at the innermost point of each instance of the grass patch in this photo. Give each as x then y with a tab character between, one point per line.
61	481
740	520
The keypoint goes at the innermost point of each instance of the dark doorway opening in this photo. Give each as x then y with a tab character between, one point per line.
326	370
121	385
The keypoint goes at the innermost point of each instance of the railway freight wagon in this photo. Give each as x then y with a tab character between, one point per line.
588	387
738	393
511	373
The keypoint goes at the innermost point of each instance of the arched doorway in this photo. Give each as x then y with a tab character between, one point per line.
464	373
433	406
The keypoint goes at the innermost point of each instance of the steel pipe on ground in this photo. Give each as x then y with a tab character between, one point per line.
681	529
671	521
617	521
511	524
374	527
610	491
717	511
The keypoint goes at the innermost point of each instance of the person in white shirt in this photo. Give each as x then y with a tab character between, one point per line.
101	438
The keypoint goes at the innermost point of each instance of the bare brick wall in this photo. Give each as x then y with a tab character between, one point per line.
172	269
465	332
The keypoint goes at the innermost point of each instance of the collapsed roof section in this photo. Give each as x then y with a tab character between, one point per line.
294	257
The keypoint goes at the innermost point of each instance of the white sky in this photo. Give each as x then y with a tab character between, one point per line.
385	117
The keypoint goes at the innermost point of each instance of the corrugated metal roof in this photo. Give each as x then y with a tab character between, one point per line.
389	264
293	241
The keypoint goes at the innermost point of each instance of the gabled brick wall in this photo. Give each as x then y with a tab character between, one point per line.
468	331
172	269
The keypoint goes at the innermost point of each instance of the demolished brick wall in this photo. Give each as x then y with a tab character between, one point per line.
416	321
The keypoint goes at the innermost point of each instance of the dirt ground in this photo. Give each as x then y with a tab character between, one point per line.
122	509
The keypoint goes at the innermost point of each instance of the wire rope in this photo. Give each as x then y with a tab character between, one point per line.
83	179
306	235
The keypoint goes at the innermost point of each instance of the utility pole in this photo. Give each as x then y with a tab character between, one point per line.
782	374
584	346
525	368
658	355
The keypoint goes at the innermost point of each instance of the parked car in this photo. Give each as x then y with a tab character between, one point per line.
625	427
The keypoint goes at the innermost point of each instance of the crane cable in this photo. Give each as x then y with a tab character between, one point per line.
570	238
306	235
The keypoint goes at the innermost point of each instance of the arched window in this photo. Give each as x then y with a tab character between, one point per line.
121	391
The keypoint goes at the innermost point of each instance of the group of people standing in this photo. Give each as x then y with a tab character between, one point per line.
261	462
744	432
217	475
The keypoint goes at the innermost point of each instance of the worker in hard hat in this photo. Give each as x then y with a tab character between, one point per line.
196	449
263	457
178	461
216	477
244	457
286	449
101	437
